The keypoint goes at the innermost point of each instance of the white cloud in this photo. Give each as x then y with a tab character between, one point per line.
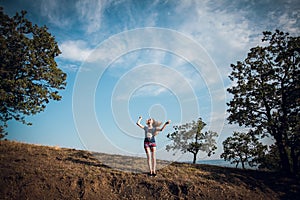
216	29
55	11
226	34
227	31
80	51
91	13
288	24
149	90
151	20
76	50
69	67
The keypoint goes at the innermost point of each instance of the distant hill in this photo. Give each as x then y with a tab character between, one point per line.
223	163
41	172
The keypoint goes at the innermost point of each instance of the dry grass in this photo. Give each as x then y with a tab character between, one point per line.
40	172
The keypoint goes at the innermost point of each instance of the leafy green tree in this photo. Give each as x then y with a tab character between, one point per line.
243	148
29	74
266	93
190	138
271	160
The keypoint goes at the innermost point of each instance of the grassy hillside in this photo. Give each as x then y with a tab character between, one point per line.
40	172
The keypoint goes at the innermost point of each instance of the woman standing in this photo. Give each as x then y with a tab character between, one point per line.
151	130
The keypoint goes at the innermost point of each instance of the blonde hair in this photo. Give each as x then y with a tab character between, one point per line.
156	123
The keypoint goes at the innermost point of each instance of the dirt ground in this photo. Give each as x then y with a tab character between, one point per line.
41	172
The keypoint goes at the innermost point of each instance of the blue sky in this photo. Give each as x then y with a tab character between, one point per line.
164	59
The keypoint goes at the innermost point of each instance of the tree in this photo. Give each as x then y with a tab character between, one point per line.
189	138
243	148
29	74
266	93
271	160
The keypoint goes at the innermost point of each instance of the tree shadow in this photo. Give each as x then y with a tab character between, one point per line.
288	187
85	158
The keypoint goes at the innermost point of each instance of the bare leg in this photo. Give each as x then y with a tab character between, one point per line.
148	153
153	160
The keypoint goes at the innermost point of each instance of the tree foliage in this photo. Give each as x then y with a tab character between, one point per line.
271	160
243	148
29	74
266	93
190	138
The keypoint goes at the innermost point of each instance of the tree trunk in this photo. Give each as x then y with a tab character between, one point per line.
195	158
276	132
295	161
242	161
282	131
285	164
237	164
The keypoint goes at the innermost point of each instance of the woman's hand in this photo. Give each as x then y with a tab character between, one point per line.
164	126
139	122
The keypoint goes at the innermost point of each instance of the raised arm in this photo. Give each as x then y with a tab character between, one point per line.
139	122
164	126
